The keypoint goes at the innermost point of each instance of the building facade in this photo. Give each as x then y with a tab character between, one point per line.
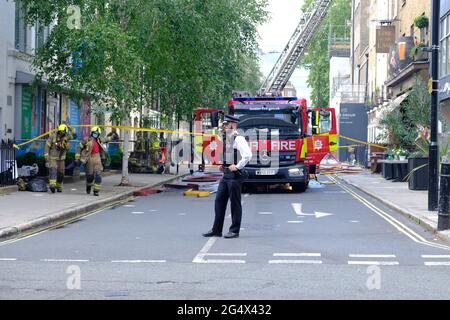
394	57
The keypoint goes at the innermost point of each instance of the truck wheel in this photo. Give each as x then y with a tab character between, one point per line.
299	187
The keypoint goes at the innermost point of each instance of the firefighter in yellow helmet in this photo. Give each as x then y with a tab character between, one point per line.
92	154
55	155
155	151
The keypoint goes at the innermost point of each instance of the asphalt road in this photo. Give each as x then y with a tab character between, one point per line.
328	243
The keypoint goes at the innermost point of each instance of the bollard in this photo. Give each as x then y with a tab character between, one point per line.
443	215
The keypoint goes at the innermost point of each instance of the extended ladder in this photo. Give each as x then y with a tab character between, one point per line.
310	21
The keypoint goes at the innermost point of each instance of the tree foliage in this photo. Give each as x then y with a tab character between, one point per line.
316	59
185	54
401	125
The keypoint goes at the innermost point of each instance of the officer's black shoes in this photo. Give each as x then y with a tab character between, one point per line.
88	189
95	193
212	234
52	189
59	190
231	235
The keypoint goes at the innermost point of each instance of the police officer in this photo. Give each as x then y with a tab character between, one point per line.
230	187
92	154
55	156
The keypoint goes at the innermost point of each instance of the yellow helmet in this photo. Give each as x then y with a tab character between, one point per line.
96	129
63	128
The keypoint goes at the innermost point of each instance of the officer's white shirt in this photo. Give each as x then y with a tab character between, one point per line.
244	149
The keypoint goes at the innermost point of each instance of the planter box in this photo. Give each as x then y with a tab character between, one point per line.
419	179
387	170
400	170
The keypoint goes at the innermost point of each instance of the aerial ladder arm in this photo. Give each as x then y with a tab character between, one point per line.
310	22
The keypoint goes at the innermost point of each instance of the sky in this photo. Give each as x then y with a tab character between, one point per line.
275	34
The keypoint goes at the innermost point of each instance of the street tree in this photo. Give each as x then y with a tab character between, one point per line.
316	59
184	54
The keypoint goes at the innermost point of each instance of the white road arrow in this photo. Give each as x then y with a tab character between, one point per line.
298	210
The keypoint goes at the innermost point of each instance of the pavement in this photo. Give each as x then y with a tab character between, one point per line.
26	212
325	243
410	203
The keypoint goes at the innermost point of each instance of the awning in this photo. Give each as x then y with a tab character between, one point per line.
399	100
24	78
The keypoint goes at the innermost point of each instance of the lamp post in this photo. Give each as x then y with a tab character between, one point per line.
433	190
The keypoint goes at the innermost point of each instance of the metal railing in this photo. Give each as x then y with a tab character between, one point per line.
8	166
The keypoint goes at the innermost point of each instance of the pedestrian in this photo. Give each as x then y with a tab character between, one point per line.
230	187
55	155
92	154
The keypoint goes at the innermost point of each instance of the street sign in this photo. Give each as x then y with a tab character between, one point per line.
385	38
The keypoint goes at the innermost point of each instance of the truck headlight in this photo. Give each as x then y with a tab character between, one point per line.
295	172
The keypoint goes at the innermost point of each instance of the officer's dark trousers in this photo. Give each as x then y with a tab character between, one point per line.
229	188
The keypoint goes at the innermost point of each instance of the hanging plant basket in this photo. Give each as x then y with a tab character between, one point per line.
421	22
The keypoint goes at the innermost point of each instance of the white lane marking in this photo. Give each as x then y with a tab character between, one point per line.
434	264
38	195
298	211
391	220
8	259
138	261
334	192
182	214
354	221
227	254
221	261
242	229
295	261
297	255
265	213
200	257
137	212
73	189
63	260
295	221
432	256
129	206
246	195
374	263
153	210
372	255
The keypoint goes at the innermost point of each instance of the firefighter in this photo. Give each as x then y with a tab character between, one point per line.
92	154
55	156
155	145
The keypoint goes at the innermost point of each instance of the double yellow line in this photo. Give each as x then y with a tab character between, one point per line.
391	220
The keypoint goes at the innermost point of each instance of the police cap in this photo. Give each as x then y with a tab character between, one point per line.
231	119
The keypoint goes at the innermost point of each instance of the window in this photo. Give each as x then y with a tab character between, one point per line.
20	29
444	57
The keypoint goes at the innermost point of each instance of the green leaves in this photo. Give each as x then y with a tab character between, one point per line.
183	53
316	59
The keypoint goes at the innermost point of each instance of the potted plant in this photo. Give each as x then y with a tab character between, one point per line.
402	154
417	52
418	166
421	22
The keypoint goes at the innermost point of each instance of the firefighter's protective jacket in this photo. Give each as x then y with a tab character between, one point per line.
84	150
56	147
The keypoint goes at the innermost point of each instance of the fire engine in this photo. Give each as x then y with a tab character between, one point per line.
287	139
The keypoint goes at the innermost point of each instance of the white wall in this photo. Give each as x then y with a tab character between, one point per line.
7	27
